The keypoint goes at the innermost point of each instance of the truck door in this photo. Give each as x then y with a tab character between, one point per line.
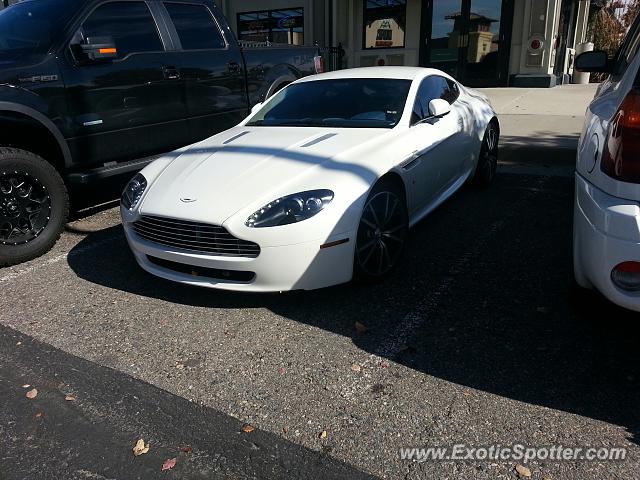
211	65
129	106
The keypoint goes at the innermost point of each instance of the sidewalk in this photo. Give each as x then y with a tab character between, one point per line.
540	127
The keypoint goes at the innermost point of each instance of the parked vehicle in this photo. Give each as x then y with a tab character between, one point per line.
95	88
320	184
606	233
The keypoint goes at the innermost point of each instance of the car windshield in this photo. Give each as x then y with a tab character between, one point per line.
32	26
345	102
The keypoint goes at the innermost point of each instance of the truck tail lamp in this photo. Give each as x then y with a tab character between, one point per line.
621	155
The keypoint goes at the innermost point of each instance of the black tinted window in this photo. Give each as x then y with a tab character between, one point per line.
195	25
431	88
32	27
353	102
130	24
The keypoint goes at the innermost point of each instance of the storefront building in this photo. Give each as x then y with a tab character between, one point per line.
480	42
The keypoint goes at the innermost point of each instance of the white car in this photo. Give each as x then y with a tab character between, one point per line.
318	185
606	234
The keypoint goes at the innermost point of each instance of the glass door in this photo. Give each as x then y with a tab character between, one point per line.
446	36
467	39
483	42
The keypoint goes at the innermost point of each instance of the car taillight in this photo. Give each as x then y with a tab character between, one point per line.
626	276
621	156
318	62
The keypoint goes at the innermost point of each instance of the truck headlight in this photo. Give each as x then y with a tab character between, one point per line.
290	209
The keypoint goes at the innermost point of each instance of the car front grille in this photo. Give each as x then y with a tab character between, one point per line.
194	236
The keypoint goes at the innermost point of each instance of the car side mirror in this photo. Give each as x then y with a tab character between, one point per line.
96	49
255	108
439	108
594	61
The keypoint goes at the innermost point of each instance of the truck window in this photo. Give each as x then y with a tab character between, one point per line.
195	26
130	24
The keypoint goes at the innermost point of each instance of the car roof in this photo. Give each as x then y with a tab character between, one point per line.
402	73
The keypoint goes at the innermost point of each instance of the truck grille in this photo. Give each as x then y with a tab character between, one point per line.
194	236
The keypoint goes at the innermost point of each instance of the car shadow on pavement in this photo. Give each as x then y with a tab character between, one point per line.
484	298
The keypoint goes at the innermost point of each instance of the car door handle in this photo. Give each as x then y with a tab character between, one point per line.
171	73
233	67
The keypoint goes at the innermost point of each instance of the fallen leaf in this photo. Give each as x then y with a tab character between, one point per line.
169	463
360	328
140	448
187	449
33	393
248	428
69	398
523	471
26	386
356	368
323	434
467	393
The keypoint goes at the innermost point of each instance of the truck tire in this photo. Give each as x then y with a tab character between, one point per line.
34	206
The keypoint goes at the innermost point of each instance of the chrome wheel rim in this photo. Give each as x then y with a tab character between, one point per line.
381	234
25	208
489	153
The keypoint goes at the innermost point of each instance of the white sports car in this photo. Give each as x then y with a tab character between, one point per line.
319	185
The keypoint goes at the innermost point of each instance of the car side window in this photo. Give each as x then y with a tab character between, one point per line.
129	24
196	26
432	87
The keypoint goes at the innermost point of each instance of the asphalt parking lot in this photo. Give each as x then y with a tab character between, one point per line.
478	338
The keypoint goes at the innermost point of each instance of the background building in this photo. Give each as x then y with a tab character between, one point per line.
481	42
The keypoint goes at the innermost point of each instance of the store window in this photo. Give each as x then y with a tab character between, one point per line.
276	26
384	23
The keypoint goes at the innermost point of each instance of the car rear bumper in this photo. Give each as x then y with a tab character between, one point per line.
606	232
303	266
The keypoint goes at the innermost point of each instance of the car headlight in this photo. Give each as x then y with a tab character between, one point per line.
290	209
133	191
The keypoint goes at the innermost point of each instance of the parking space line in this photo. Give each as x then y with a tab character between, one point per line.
58	258
416	319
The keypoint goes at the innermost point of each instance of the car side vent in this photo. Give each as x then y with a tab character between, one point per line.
318	140
235	137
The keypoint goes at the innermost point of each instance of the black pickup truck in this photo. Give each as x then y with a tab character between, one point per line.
96	88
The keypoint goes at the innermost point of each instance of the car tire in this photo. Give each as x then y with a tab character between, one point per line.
488	157
382	233
34	206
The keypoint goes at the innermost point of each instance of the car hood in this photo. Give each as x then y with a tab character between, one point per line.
251	166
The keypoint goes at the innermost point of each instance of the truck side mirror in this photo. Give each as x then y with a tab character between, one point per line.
96	49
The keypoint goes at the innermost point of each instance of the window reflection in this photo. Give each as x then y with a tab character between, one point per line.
277	26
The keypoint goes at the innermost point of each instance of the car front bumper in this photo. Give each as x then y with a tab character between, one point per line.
606	232
301	266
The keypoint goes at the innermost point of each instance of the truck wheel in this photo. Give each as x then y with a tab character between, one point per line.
34	206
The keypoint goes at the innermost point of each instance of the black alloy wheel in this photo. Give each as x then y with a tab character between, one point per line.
382	233
25	208
34	206
488	159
